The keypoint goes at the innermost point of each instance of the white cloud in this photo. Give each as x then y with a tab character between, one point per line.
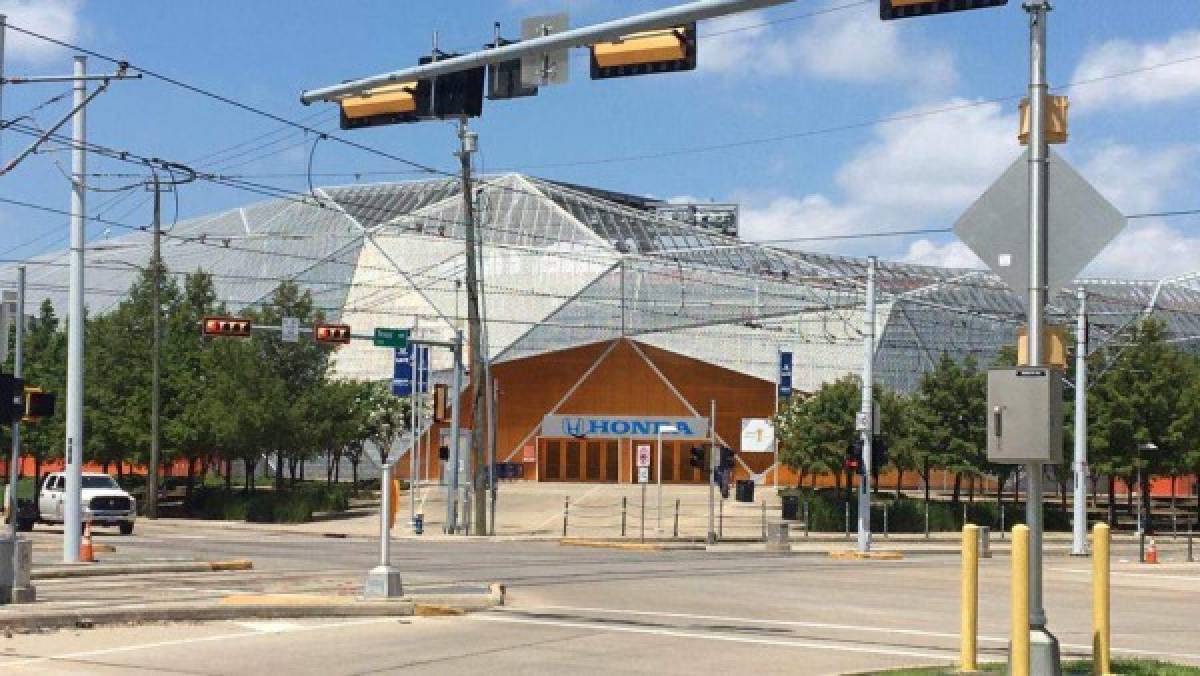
1137	180
1158	84
790	218
845	46
1150	250
58	19
934	165
953	254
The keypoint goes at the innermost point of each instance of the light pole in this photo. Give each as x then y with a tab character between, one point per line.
668	429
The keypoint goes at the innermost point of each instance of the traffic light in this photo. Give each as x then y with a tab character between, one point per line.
902	9
697	459
10	399
227	327
854	453
390	104
727	458
332	333
38	404
504	78
879	453
443	453
453	94
441	403
665	50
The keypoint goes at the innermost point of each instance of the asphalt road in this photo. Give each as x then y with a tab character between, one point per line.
583	611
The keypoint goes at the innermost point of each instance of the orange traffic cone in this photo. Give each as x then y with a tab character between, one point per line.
1151	551
86	553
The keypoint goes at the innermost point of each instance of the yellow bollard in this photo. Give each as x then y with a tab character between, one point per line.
970	599
1101	605
1018	657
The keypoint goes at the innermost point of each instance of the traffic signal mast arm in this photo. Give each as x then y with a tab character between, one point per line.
586	36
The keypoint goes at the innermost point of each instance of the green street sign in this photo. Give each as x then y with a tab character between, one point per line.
397	338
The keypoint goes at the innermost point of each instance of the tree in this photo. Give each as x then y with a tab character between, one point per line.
951	404
814	433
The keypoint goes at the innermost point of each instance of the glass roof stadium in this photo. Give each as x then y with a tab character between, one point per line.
566	265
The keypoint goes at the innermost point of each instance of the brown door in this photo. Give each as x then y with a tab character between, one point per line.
551	461
611	456
592	463
574	451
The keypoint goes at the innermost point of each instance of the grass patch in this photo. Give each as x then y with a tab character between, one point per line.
1126	667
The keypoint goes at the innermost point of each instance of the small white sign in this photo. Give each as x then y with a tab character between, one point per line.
643	455
291	330
758	435
643	475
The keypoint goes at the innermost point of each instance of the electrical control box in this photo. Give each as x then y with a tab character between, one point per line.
1024	415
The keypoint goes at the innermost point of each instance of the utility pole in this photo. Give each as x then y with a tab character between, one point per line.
868	412
1044	650
1079	526
72	514
155	356
14	465
451	524
467	145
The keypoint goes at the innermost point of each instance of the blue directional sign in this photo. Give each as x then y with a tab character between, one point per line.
785	375
402	373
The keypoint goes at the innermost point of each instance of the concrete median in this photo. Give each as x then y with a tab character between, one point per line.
108	569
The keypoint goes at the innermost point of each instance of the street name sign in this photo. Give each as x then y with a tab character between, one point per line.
1080	223
397	338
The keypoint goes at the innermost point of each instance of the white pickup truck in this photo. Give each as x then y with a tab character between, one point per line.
104	503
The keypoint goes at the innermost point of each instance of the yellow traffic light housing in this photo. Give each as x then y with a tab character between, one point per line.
1054	338
666	50
902	9
390	104
1056	120
38	404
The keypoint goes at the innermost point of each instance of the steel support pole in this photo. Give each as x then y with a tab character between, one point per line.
72	515
713	459
1044	647
658	473
414	393
868	412
383	581
452	480
14	461
155	356
1079	524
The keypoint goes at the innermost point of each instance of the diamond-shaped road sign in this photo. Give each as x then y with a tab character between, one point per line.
1080	223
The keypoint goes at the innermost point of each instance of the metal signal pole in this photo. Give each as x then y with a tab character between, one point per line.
868	412
1044	650
1079	526
155	357
72	514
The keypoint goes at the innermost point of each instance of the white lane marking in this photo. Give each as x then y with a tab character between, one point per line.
706	636
186	641
1166	577
270	627
847	627
752	620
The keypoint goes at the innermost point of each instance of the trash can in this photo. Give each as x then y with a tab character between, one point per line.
778	539
791	507
418	523
745	490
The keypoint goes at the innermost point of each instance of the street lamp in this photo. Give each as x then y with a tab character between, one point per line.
668	429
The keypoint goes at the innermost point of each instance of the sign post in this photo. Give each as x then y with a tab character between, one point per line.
643	477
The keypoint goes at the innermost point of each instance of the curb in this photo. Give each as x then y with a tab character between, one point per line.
632	546
273	607
106	569
851	555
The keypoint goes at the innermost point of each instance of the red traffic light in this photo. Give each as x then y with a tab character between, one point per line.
332	333
226	326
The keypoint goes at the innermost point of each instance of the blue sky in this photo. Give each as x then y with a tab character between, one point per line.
769	74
